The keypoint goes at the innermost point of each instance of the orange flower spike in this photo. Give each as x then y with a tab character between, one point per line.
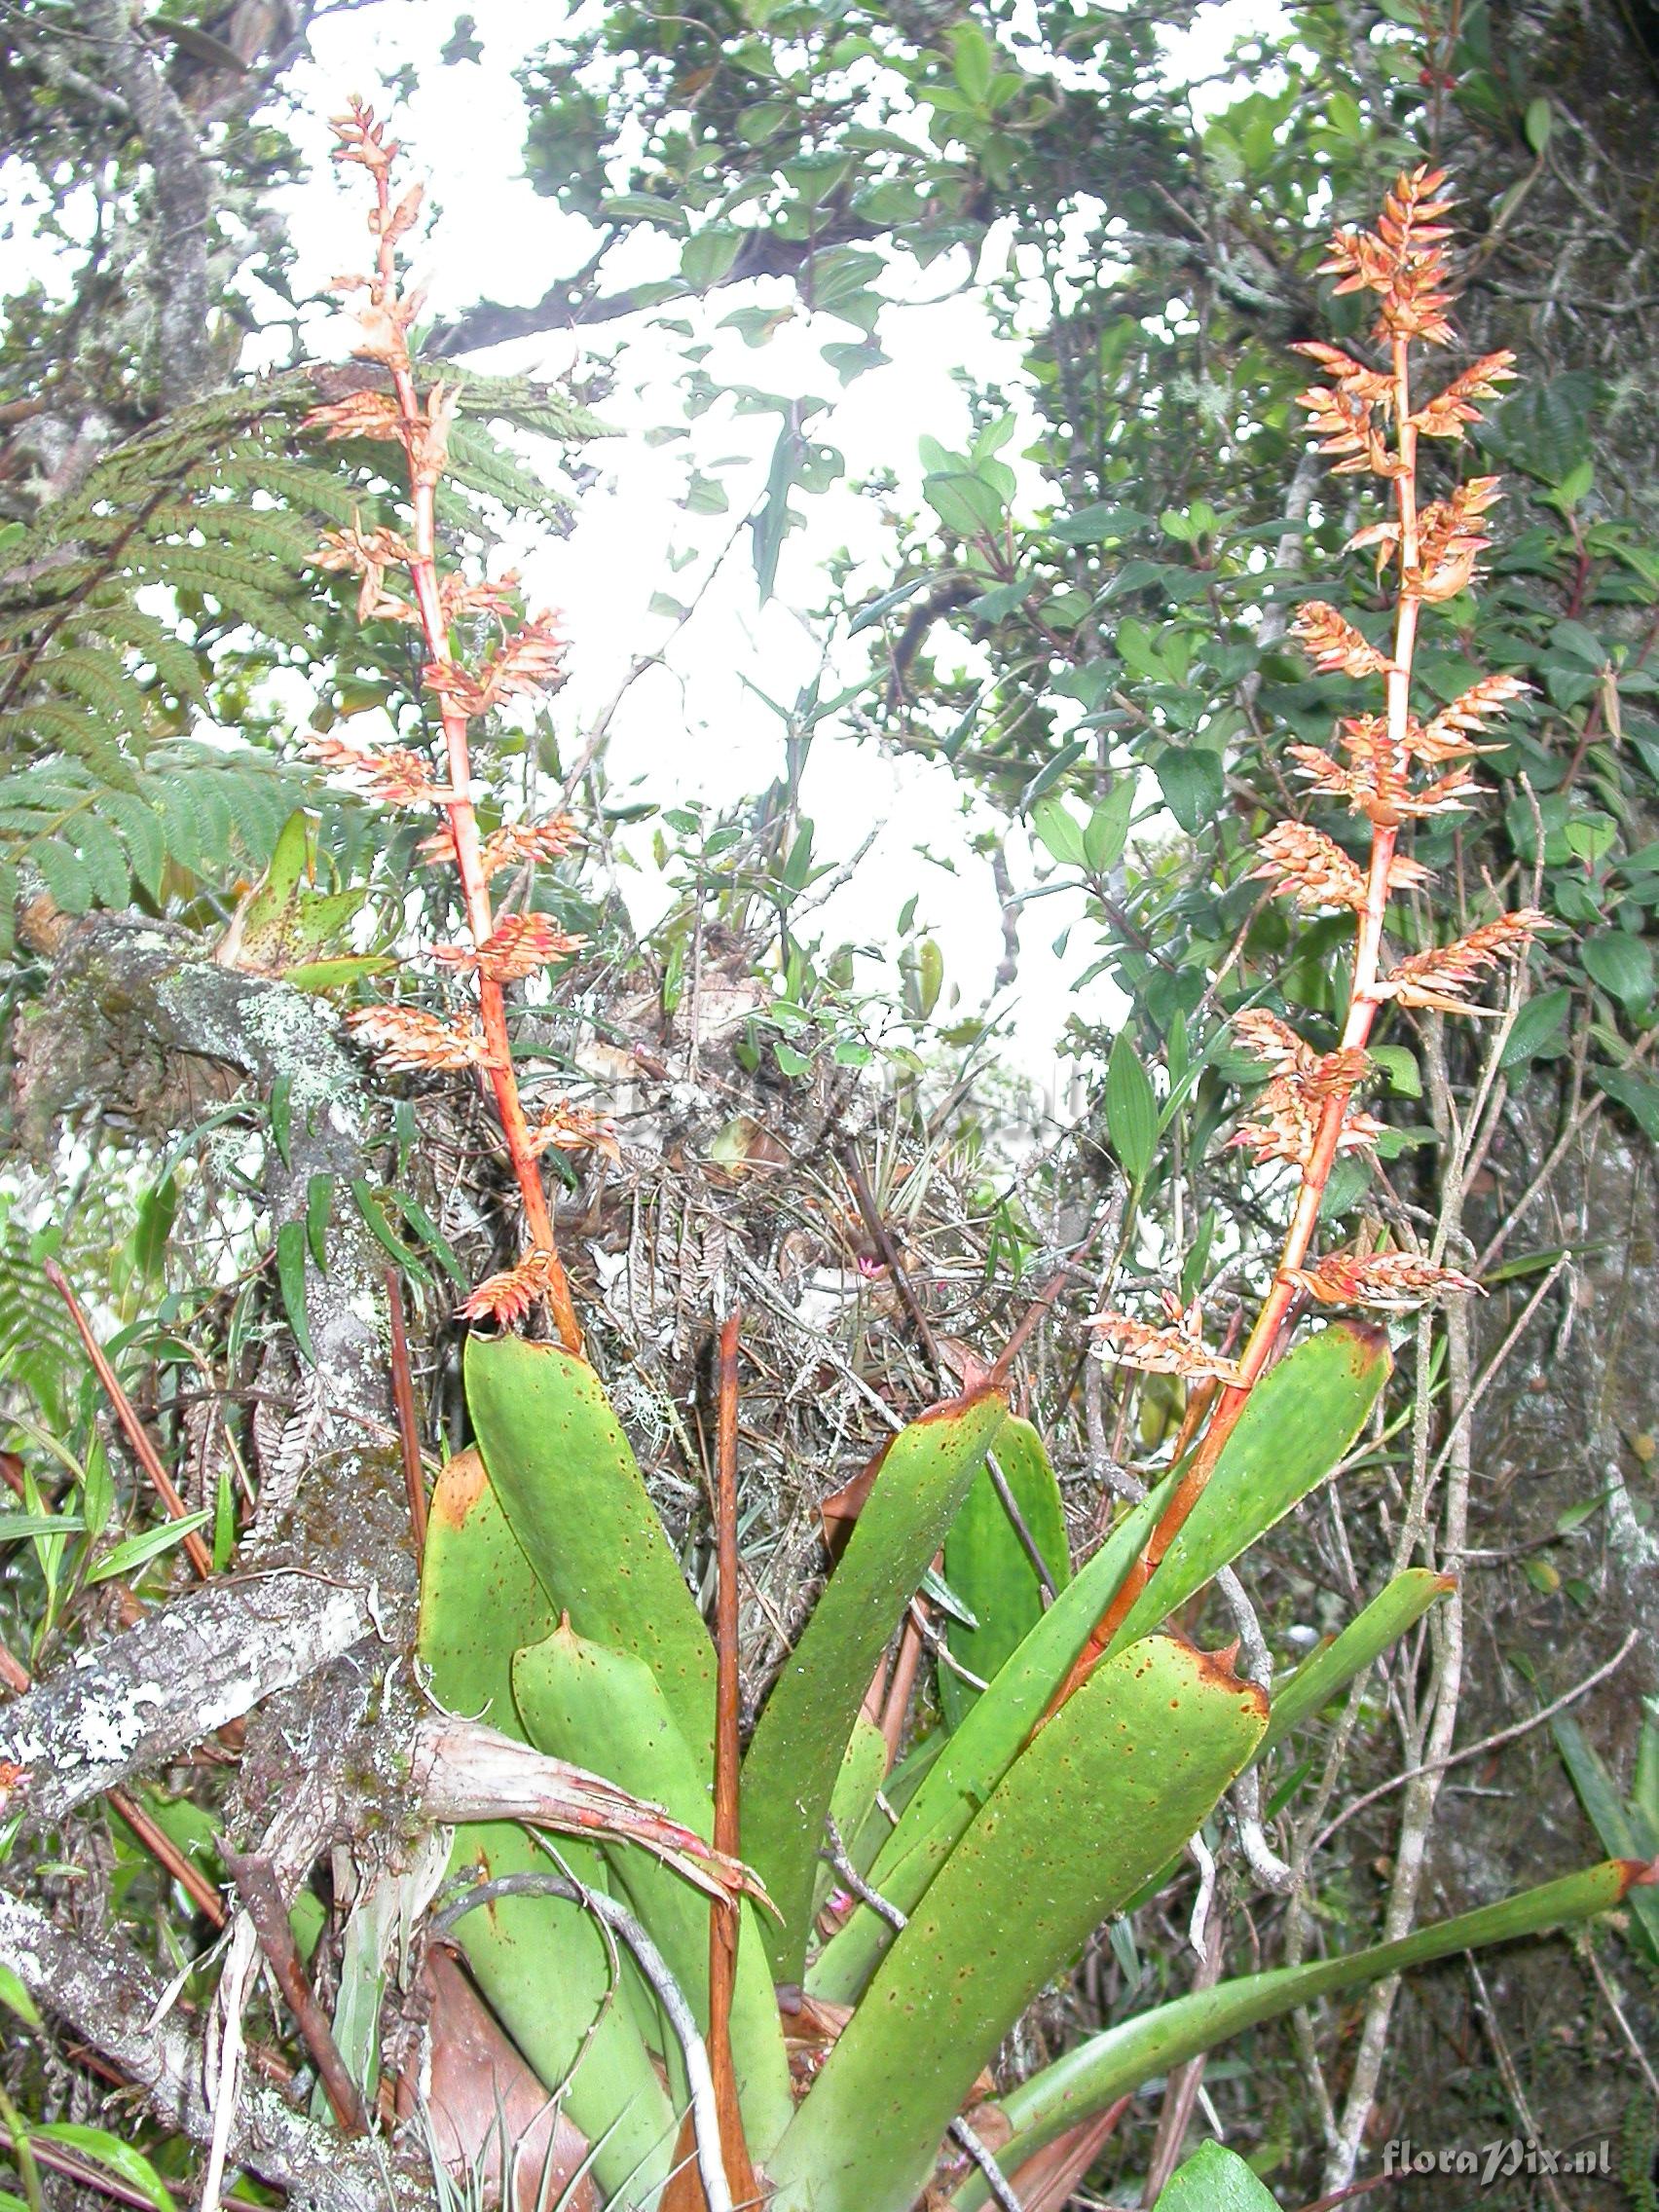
1306	865
1441	978
424	1044
574	1129
1306	1115
1127	1343
393	774
1448	415
508	1297
516	842
1389	1282
1454	729
404	1036
516	947
360	415
1333	645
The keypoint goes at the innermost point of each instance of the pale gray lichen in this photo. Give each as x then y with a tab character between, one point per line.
107	1730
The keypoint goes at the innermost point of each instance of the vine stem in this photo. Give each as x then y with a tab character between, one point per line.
458	808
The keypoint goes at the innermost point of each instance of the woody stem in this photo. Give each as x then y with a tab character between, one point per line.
462	818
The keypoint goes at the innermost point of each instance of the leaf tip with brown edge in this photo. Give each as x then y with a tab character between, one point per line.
458	1487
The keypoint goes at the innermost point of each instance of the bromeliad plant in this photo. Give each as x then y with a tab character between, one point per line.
825	2049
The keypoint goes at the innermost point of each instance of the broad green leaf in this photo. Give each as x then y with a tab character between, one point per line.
109	2152
707	254
1539	1023
319	1207
568	1484
988	1568
333	974
284	926
1108	831
966	504
1192	784
858	1820
291	1282
1054	822
605	1711
789	1774
543	1964
1296	1426
969	1763
1620	1826
1132	1109
138	1550
1329	1670
1122	2059
16	1998
1214	2179
1134	1762
1622	964
974	62
154	1225
1320	1396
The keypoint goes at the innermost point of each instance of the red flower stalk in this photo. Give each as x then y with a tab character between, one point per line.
1389	769
526	661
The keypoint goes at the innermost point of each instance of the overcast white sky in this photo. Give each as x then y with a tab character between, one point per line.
694	728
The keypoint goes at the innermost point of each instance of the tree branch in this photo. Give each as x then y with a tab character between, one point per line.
177	249
572	303
150	1693
108	1997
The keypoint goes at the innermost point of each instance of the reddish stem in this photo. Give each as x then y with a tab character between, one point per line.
1279	1308
724	1918
137	1436
408	1426
458	808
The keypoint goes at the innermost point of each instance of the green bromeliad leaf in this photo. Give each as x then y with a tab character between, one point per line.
989	1568
1119	2060
572	1493
789	1776
604	1710
1330	1669
1133	1762
543	1964
1297	1425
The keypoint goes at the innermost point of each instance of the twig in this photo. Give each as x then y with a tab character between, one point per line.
408	1427
836	1853
262	1897
1347	2195
654	1967
726	1918
1185	2081
1511	2078
1631	2040
137	1436
996	2181
1018	1522
162	1849
1486	1744
883	1236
